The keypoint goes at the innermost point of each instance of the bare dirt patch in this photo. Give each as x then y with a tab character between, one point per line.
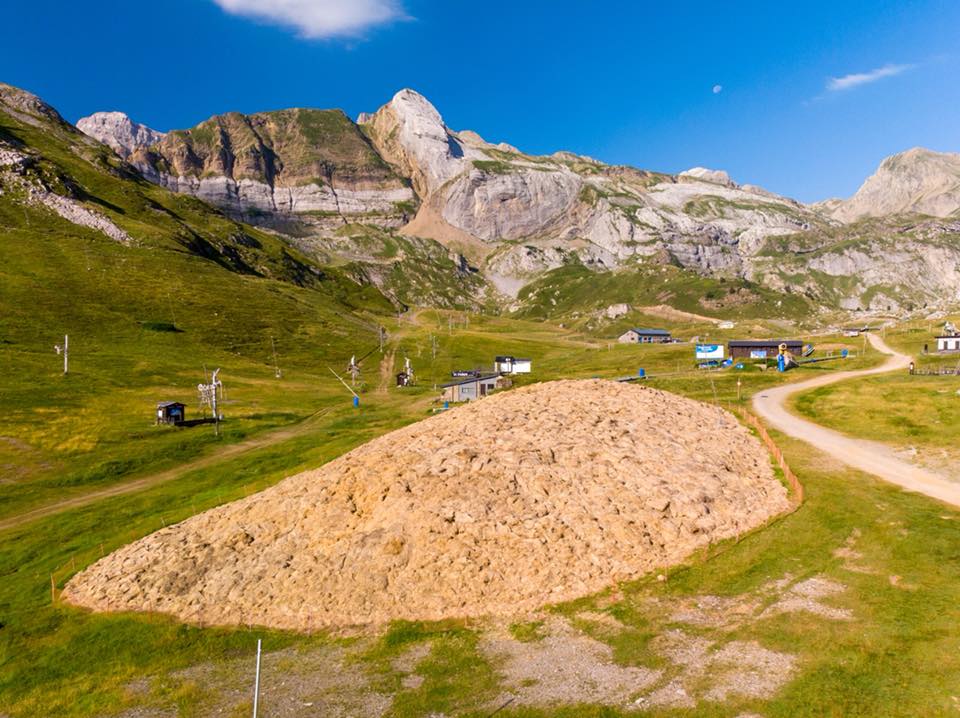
755	671
564	667
714	672
386	371
321	681
665	311
806	596
782	595
604	620
406	663
538	495
852	558
716	611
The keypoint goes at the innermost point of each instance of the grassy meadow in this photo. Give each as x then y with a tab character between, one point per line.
58	660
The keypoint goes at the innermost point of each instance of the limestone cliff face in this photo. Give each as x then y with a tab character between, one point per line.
498	206
882	264
917	181
119	132
409	133
290	162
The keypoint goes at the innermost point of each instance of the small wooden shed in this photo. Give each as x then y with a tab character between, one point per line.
762	348
948	343
645	336
171	412
471	388
512	365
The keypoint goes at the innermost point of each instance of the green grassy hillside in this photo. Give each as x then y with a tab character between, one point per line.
193	290
412	271
574	290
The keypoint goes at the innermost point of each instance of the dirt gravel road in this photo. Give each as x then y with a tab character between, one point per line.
870	456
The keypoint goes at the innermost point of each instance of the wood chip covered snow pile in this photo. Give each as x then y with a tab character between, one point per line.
528	497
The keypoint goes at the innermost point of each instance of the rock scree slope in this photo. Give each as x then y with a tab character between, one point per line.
533	496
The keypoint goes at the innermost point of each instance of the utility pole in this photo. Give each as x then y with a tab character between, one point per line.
210	394
383	333
65	350
354	370
216	409
276	366
256	683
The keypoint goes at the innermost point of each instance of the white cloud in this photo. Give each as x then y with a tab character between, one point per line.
717	89
836	84
317	19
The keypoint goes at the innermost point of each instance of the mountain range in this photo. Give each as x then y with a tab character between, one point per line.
430	215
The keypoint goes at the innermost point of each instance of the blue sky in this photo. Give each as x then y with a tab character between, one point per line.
814	94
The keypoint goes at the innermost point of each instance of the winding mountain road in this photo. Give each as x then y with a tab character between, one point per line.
870	456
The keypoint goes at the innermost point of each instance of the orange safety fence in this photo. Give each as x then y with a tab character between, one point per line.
796	488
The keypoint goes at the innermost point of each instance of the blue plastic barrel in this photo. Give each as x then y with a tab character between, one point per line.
641	373
356	401
446	405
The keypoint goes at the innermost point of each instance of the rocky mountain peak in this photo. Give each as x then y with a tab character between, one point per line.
410	133
28	107
708	175
119	132
916	181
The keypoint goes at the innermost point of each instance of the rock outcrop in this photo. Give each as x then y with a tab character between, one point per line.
455	516
410	134
702	173
917	181
24	180
119	132
274	166
883	265
29	108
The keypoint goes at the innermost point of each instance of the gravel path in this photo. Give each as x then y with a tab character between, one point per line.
872	457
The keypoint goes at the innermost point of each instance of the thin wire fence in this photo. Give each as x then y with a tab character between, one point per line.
796	488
